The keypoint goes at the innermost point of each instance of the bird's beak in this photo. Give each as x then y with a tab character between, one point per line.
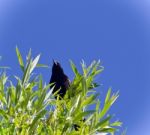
54	62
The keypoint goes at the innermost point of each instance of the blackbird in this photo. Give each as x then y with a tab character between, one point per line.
59	79
60	82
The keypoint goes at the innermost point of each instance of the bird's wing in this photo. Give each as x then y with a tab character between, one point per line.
67	83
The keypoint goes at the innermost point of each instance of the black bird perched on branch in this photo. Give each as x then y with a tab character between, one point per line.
60	80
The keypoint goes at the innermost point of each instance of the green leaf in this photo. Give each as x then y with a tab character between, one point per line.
26	75
103	122
42	65
4	114
84	68
34	63
107	130
29	56
74	68
89	100
108	103
83	114
116	123
20	59
84	87
108	95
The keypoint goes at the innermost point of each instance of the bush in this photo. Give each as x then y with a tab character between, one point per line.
29	108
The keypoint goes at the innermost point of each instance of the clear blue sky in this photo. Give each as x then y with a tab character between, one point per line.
115	31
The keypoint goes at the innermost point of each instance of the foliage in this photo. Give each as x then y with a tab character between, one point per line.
29	108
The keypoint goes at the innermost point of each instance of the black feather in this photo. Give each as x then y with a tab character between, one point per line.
60	80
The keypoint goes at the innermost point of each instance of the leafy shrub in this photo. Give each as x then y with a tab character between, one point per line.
29	108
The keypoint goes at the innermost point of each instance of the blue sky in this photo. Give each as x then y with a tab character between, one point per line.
116	32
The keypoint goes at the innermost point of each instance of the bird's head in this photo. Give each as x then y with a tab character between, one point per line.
57	67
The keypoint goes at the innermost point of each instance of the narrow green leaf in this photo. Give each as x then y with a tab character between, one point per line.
40	84
84	68
107	130
34	63
103	122
42	65
3	113
29	55
105	110
108	95
108	103
114	97
20	59
89	100
116	123
26	75
84	87
91	66
74	68
83	114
